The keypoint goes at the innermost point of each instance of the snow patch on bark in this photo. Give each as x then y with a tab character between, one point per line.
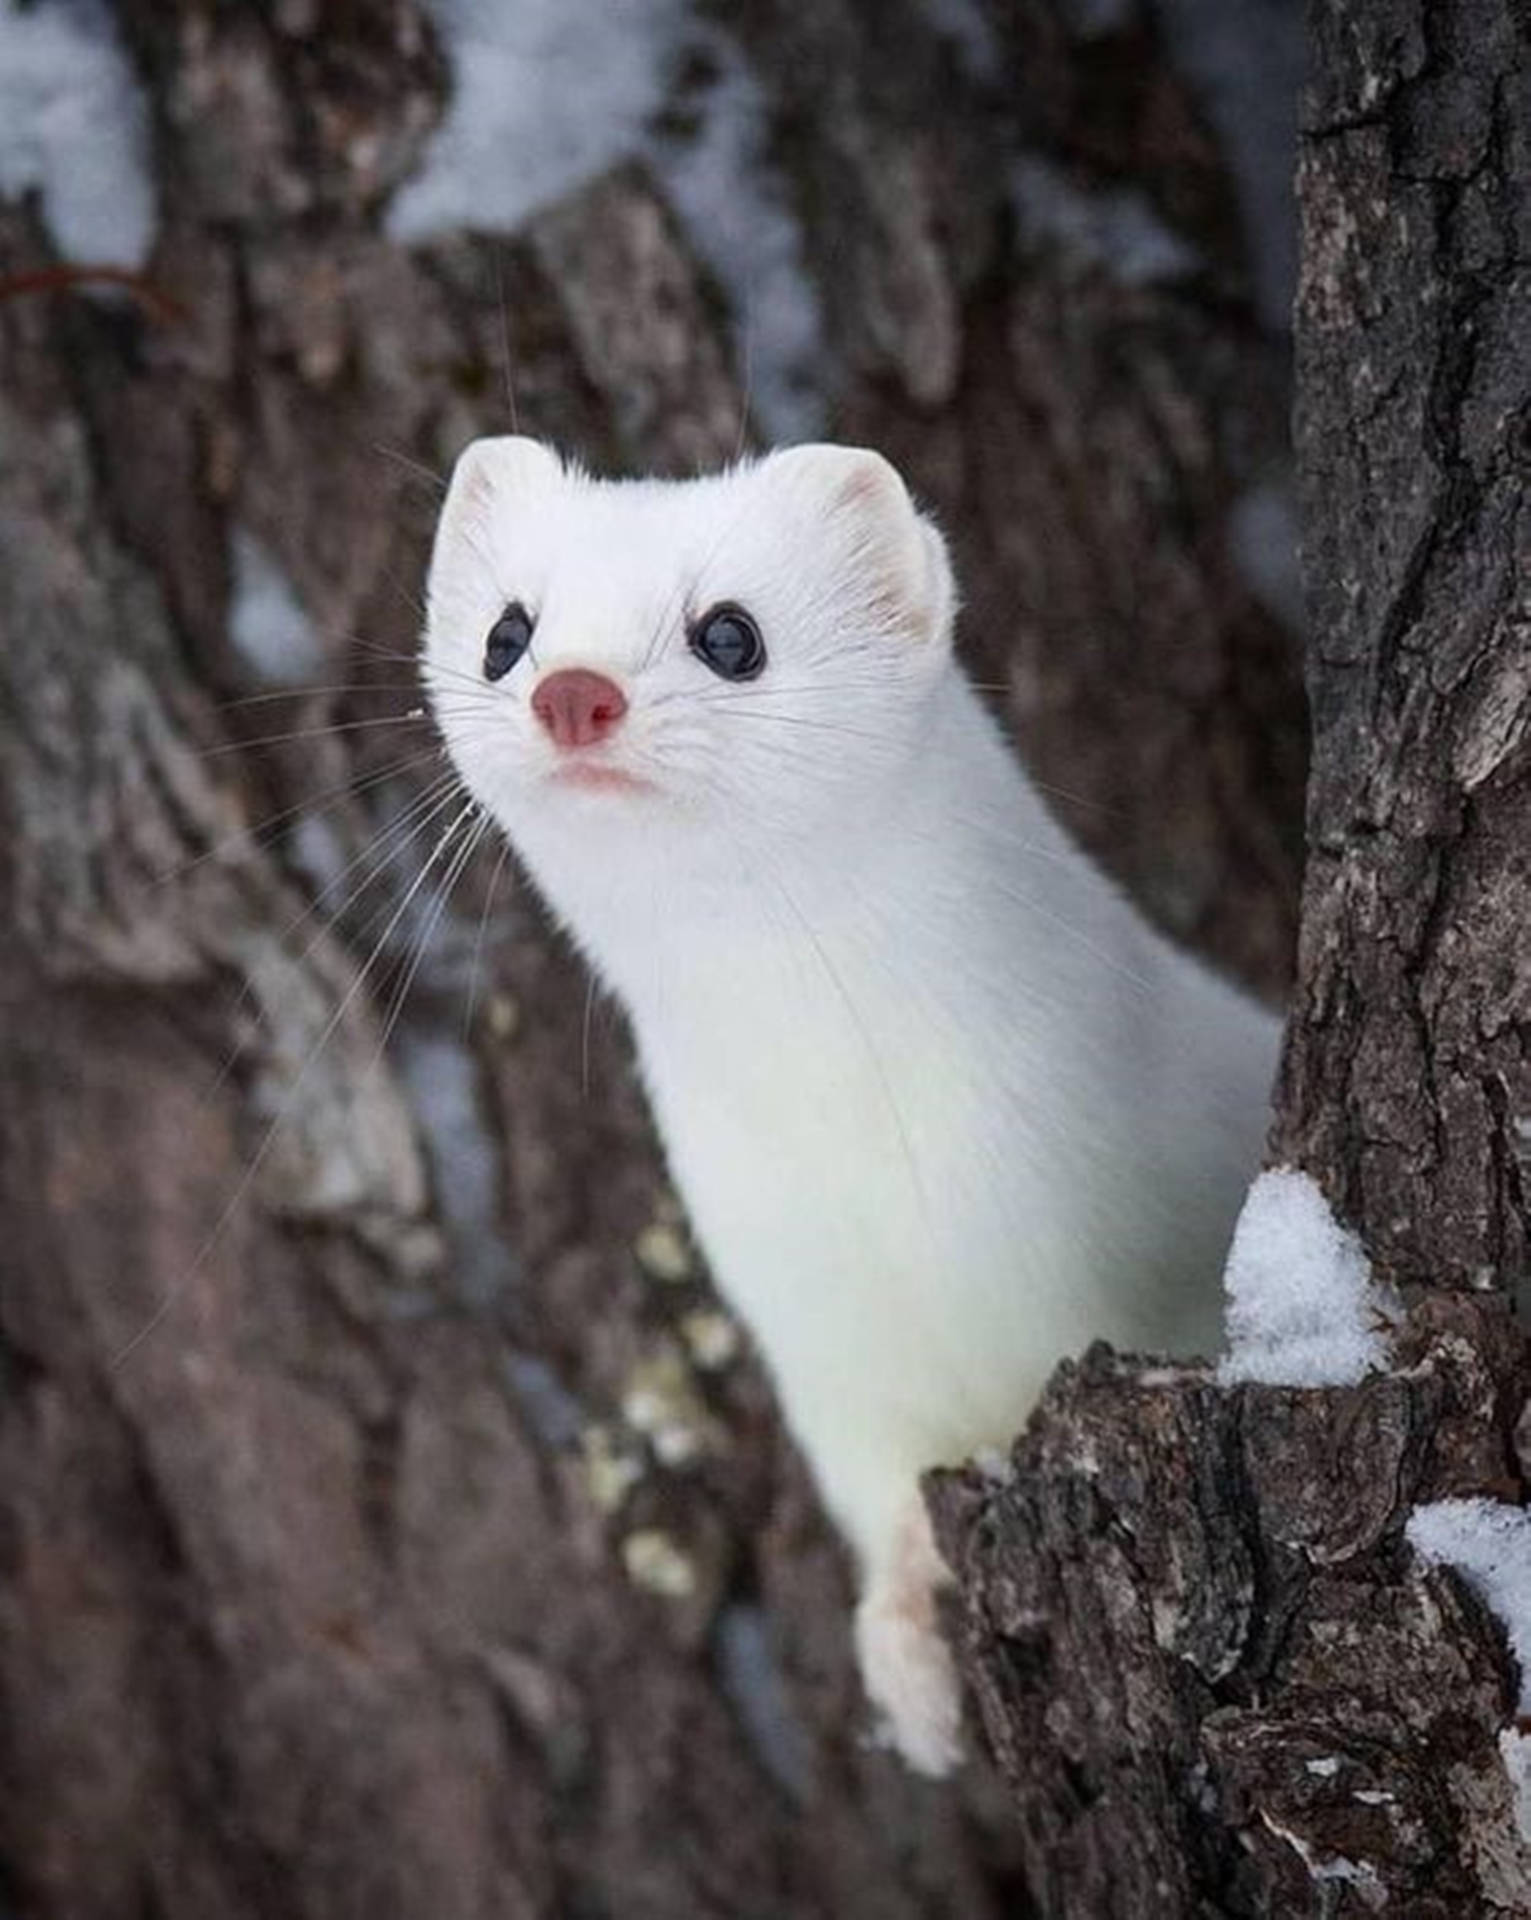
442	1077
1115	232
756	1687
651	83
514	139
968	27
735	208
1303	1309
1489	1544
1515	1751
1262	538
1244	60
266	620
72	128
1358	1874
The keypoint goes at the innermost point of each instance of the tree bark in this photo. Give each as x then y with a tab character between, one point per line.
1408	1075
384	1525
1216	1676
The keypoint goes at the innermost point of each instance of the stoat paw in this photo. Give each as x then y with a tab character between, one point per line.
910	1678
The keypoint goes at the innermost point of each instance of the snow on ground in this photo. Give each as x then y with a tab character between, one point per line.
73	128
1303	1310
550	93
266	621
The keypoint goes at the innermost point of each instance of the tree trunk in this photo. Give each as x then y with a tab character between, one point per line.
1216	1675
386	1525
1407	1083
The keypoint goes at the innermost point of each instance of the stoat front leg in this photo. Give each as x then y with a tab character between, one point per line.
906	1665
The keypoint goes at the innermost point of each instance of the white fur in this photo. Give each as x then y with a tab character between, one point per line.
942	1106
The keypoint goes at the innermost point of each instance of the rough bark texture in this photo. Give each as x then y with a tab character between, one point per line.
384	1526
1408	1077
1216	1677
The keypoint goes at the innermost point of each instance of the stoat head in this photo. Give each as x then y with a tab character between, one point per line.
742	654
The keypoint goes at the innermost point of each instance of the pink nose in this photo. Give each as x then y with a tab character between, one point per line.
578	707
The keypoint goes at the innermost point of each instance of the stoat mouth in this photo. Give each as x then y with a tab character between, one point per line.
594	776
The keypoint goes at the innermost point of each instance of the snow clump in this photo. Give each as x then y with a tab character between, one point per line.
1303	1310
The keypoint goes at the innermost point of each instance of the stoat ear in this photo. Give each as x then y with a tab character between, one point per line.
898	558
489	470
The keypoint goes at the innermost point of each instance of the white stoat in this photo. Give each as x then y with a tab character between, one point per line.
942	1106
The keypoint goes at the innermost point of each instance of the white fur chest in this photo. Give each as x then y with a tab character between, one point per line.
929	1141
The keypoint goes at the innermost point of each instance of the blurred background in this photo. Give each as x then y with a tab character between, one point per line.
391	1520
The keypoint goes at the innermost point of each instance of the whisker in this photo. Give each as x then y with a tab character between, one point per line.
404	590
749	380
177	1289
1080	939
411	465
1074	797
738	699
684	588
810	725
874	1056
334	729
806	689
414	656
490	560
436	799
996	830
432	801
584	1040
421	662
320	802
312	693
478	941
477	827
510	384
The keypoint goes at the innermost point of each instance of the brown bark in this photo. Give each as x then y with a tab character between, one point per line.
1217	1678
319	1593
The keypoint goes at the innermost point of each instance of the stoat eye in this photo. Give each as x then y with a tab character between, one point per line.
728	641
509	638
